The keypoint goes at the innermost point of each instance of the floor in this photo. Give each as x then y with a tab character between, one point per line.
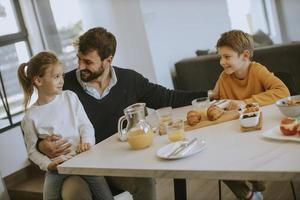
208	190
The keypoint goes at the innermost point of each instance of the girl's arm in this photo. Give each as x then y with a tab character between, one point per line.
30	136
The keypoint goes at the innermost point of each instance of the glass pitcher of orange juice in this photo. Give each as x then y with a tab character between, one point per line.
138	131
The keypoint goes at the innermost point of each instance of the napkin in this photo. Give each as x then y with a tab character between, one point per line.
182	148
188	148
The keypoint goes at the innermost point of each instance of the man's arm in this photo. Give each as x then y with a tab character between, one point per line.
157	96
54	146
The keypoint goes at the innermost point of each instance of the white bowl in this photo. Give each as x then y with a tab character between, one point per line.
250	121
289	110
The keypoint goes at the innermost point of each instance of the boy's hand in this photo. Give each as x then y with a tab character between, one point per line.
83	147
235	105
54	163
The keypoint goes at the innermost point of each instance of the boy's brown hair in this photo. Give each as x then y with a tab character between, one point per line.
238	40
98	39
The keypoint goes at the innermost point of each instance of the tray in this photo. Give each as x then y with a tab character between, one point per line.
227	116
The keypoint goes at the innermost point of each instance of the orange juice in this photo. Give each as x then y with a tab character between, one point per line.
175	130
176	135
139	139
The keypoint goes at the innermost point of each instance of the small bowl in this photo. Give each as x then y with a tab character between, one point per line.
289	110
201	103
244	112
249	119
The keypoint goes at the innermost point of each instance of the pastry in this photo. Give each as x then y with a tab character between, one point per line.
193	117
214	112
289	126
251	107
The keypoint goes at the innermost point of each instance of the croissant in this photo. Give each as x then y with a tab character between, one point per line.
193	117
214	112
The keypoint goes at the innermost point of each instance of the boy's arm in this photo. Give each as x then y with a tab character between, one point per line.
31	139
274	89
216	91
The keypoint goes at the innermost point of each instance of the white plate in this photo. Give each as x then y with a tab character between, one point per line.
164	151
276	134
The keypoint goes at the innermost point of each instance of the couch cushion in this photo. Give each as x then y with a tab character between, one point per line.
202	72
261	39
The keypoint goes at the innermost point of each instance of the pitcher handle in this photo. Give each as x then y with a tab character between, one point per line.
122	132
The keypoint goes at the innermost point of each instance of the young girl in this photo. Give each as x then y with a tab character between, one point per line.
55	112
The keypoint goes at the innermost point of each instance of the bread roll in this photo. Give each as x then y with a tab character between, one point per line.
193	117
214	112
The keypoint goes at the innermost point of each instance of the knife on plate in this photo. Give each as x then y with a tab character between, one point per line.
182	147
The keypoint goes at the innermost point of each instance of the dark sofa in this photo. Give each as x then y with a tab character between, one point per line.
202	72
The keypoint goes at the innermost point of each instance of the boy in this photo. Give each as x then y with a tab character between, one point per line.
245	81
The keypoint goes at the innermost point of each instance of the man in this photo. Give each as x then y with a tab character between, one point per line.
105	91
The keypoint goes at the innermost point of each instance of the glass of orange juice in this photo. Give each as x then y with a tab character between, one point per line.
175	130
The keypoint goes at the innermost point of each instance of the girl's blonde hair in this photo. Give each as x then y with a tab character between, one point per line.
36	66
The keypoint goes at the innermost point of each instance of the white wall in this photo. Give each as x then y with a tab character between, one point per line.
289	15
13	155
124	19
177	28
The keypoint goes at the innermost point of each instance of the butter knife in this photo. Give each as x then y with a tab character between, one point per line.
182	147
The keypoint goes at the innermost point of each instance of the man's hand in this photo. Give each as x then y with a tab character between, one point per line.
54	163
83	147
54	146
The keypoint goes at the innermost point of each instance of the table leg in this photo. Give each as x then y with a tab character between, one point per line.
180	189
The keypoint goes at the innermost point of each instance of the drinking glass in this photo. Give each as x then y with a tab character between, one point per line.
165	117
175	130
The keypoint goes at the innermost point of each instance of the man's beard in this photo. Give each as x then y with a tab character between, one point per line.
87	75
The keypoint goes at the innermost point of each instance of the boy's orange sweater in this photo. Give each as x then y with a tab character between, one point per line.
260	86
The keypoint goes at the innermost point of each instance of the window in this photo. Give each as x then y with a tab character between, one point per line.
248	15
60	28
14	50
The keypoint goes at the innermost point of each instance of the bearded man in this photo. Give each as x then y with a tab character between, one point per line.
105	91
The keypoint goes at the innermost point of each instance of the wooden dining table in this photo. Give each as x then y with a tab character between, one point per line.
229	155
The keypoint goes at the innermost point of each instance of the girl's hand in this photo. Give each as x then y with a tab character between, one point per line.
235	105
83	147
54	163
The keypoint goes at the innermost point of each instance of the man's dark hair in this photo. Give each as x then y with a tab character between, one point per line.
98	39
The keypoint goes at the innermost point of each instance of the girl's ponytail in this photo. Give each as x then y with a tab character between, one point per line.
36	66
26	83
